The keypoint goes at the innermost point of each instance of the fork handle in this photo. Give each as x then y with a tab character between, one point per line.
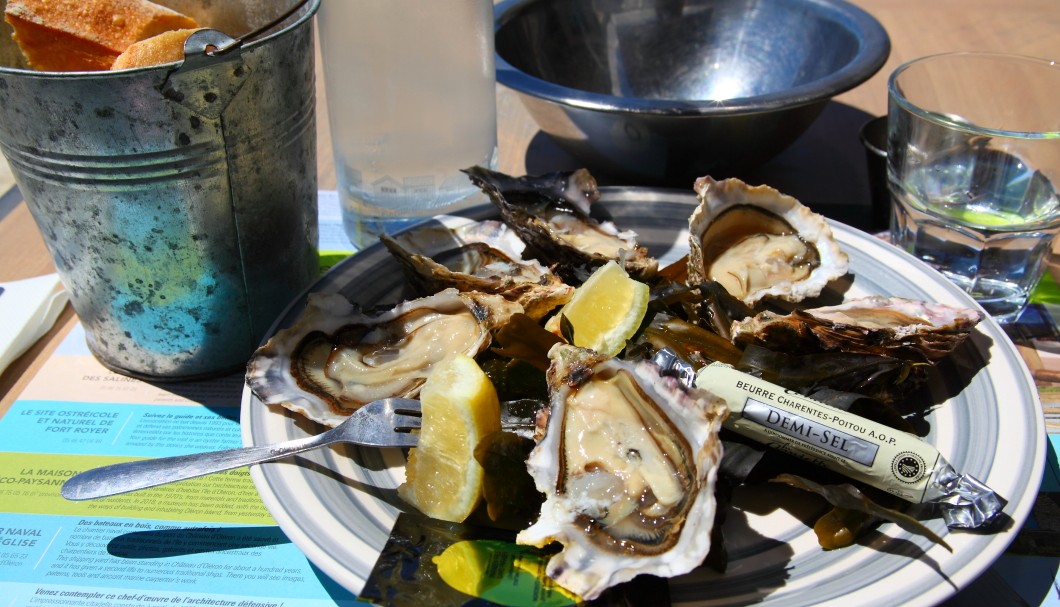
141	474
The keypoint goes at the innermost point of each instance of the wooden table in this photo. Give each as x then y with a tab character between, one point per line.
825	168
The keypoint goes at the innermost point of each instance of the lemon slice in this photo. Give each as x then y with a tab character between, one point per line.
460	406
606	309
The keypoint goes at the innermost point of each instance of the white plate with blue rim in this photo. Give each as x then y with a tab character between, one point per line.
338	505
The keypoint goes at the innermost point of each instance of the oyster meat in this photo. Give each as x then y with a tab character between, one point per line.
627	463
550	213
335	358
897	327
483	256
760	243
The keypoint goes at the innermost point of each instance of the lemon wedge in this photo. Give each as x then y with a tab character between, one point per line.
606	310
442	478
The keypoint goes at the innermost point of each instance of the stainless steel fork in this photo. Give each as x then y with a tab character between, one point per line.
383	423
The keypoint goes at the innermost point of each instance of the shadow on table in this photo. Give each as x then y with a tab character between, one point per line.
186	541
825	168
183	541
334	590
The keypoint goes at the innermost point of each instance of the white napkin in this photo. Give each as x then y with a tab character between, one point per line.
28	309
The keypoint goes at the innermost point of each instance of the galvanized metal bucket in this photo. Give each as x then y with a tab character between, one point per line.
178	201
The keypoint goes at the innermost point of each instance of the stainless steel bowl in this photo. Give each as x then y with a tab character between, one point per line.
663	91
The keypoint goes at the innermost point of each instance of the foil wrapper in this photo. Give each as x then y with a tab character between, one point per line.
899	463
964	501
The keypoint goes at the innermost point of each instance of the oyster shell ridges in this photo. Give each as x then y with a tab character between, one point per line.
792	263
550	214
629	485
897	327
335	359
484	256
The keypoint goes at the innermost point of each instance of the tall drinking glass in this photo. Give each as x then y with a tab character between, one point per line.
411	101
973	162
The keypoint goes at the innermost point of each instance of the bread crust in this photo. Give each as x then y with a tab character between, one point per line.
85	35
156	50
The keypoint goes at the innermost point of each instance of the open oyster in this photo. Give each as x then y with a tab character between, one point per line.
551	214
628	464
897	327
483	256
760	243
335	359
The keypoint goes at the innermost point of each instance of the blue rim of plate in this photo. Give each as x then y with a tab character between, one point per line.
338	505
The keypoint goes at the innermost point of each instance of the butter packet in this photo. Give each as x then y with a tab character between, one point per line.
878	455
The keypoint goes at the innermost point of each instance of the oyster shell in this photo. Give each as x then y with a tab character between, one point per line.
760	243
897	327
484	256
335	359
551	214
628	464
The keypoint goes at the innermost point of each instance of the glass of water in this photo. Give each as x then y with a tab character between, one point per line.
411	92
973	155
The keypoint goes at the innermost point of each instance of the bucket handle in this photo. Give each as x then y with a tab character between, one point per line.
199	71
205	84
253	34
